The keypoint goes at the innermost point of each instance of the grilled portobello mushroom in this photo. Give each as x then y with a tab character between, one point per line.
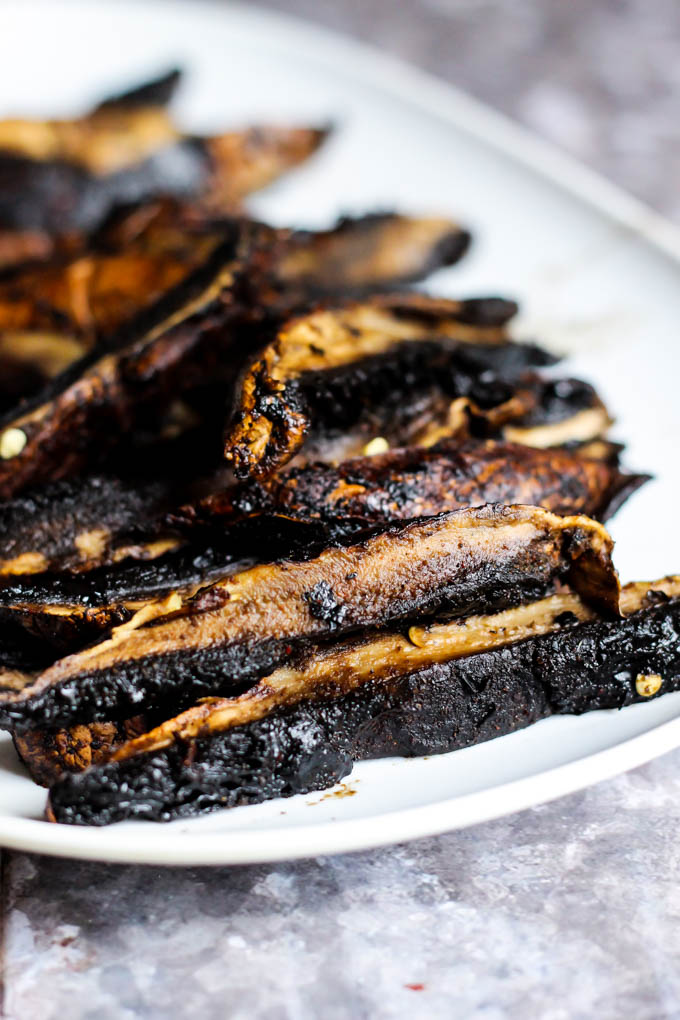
415	482
245	478
430	691
187	338
92	521
52	314
373	362
181	341
252	620
63	178
94	293
99	521
368	253
296	514
331	670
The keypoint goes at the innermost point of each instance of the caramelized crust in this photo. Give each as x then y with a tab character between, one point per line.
47	755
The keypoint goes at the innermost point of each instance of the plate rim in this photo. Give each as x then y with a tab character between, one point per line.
332	837
407	83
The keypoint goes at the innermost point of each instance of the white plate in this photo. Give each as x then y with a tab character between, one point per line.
598	276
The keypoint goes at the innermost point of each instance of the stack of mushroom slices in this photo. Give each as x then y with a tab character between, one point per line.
265	511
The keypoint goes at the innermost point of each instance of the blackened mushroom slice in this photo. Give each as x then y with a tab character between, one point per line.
87	409
84	524
63	177
156	92
83	299
326	370
88	522
117	132
415	482
19	244
71	525
250	622
328	671
430	417
49	197
449	686
120	512
369	253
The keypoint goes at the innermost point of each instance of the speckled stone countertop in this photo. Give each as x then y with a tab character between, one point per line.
565	912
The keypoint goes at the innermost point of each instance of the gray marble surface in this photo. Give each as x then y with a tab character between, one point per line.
569	910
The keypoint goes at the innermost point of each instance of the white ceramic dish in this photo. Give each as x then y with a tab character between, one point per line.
598	276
